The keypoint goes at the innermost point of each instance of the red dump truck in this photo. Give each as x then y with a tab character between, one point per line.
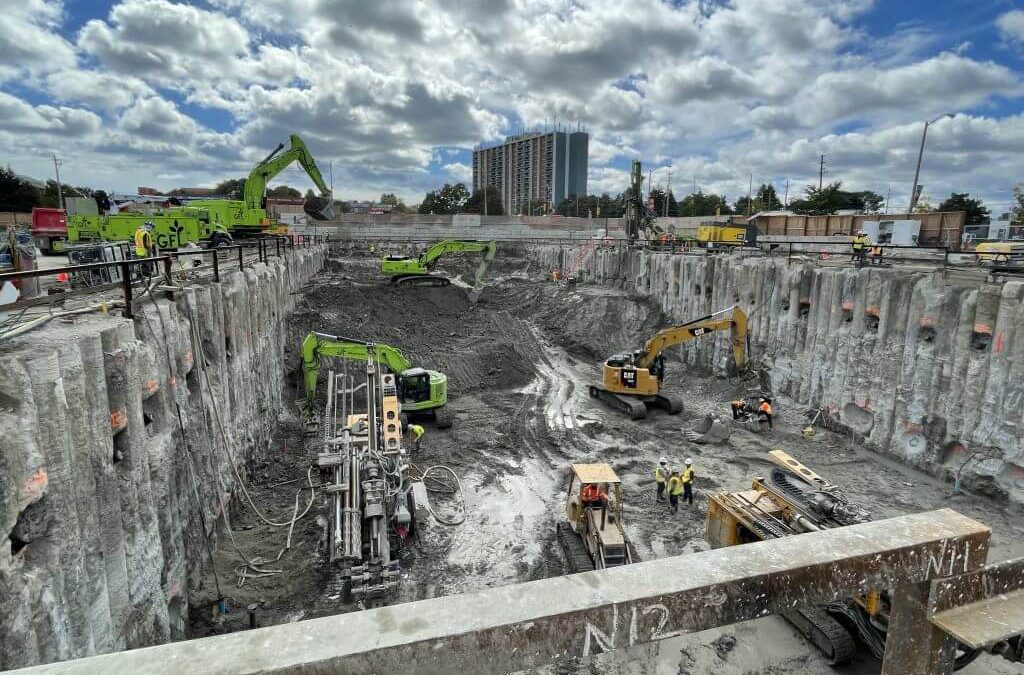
49	229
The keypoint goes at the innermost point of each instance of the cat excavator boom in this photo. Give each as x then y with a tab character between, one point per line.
632	381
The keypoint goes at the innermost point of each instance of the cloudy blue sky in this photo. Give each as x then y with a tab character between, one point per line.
396	92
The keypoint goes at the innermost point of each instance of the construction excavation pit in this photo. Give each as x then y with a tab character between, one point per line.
405	442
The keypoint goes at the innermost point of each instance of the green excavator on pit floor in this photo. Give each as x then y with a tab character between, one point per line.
406	270
420	391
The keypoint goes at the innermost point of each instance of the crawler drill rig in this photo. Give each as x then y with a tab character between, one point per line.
365	470
795	500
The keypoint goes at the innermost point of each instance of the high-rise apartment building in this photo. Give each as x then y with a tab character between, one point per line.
548	166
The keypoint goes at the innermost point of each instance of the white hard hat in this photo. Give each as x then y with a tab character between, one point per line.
689	461
662	461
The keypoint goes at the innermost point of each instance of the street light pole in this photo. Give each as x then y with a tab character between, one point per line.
920	155
60	190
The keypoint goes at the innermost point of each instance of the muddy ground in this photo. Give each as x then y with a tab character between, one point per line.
519	362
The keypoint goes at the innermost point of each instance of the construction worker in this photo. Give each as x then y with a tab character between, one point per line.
145	248
675	488
861	242
661	475
417	433
875	255
739	409
764	411
591	495
687	480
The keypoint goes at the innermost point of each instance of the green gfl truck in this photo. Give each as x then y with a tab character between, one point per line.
197	221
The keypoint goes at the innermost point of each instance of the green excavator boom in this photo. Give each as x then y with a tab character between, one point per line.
405	266
419	390
275	163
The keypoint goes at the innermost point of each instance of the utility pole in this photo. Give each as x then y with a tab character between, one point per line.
750	190
888	194
330	167
914	194
668	191
821	171
786	199
57	163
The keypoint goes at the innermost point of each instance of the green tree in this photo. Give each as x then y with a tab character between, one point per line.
1017	212
448	199
233	188
475	204
283	192
977	212
48	196
16	194
767	199
397	205
610	207
102	201
700	204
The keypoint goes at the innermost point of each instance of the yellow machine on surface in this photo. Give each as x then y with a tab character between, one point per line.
632	381
795	500
725	234
592	536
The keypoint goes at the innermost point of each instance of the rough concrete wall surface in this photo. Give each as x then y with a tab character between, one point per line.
96	476
923	365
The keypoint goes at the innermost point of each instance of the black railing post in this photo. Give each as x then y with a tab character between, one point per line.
216	265
277	246
241	261
167	268
126	285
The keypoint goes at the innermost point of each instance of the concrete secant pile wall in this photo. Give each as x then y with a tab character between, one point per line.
99	488
925	365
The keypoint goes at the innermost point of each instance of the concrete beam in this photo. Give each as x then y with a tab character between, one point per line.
526	625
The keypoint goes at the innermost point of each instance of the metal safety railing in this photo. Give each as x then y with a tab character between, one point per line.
264	246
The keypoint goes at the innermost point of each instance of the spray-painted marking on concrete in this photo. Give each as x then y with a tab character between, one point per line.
646	624
118	419
959	560
36	483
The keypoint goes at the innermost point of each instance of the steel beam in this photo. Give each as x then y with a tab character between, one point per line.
526	625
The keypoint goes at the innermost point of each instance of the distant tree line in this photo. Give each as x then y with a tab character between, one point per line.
20	195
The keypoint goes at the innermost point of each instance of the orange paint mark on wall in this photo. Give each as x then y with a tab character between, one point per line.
873	311
982	328
36	483
152	386
1000	343
173	381
926	321
118	419
847	305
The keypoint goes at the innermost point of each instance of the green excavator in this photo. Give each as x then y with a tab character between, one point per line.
420	391
405	270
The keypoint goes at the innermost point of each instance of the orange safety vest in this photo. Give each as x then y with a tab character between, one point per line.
591	493
766	408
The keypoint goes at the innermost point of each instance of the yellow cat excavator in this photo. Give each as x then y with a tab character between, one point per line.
632	381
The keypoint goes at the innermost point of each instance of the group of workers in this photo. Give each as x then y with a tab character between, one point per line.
863	247
741	411
676	483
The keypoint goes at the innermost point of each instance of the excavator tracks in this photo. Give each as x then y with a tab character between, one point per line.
421	280
825	633
633	407
576	557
